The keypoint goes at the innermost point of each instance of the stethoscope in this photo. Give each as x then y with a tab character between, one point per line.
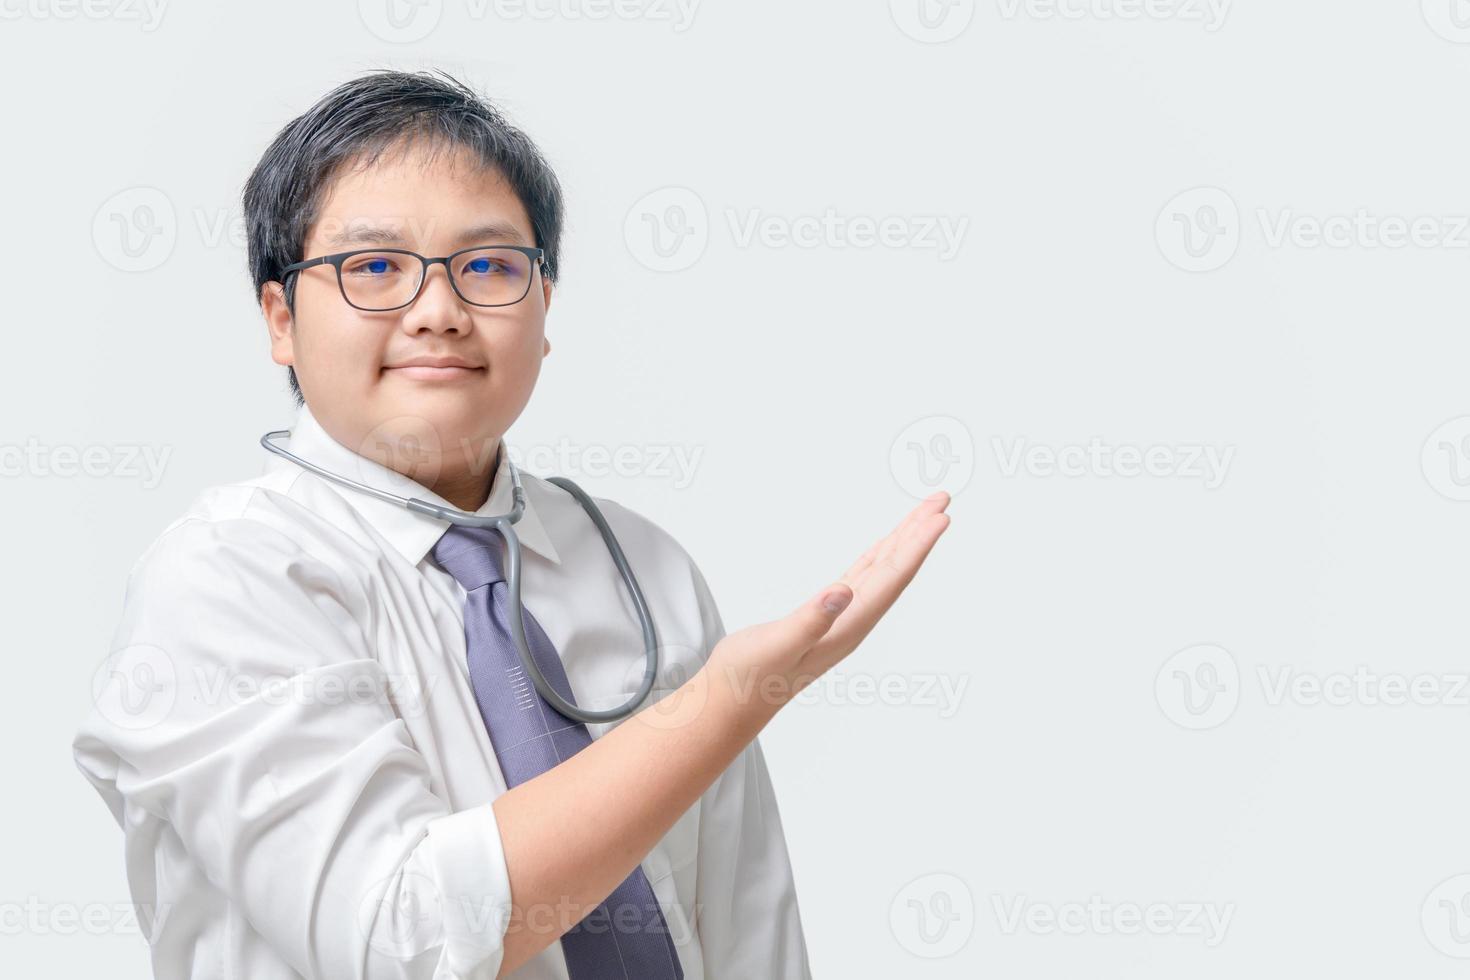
502	523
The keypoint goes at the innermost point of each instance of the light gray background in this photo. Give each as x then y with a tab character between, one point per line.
1138	185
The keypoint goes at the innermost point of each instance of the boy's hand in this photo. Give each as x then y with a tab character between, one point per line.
773	661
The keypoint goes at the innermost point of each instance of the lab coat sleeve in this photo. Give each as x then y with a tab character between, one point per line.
257	726
748	921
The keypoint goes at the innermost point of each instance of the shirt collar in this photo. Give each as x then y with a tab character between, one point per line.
411	533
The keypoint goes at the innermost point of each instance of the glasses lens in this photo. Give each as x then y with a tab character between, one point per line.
492	276
380	280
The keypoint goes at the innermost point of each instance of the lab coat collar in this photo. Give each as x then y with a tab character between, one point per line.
411	533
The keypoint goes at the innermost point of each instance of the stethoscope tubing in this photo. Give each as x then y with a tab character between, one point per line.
503	524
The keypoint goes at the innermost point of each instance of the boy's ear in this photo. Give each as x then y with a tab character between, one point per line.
278	323
546	305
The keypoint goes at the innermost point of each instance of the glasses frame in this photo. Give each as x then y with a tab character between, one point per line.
536	255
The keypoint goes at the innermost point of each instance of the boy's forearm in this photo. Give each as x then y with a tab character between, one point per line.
573	833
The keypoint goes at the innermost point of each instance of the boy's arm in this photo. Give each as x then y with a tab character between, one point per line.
641	776
647	772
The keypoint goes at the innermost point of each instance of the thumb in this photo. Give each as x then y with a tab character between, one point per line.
813	618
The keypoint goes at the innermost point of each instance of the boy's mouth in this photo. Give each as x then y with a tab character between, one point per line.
428	368
424	372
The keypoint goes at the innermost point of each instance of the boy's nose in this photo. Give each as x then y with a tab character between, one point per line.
438	307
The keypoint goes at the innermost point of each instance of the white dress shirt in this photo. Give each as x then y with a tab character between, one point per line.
287	734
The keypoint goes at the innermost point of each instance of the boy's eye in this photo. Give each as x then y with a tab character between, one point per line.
482	266
370	266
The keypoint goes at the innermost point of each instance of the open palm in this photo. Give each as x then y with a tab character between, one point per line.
799	648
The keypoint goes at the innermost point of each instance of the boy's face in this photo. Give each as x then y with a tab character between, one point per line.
440	427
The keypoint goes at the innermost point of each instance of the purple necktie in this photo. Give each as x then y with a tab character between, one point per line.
624	938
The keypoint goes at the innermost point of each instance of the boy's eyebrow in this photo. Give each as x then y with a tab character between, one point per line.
490	233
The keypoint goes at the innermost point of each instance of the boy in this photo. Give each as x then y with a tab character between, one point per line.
300	735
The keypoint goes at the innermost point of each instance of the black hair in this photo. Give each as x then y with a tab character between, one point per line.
359	120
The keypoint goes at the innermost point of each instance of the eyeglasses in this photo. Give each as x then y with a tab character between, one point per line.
380	279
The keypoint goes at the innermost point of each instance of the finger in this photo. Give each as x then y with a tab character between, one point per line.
932	504
881	587
857	567
795	633
929	505
892	572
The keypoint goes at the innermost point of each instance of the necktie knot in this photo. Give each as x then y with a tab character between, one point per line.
471	554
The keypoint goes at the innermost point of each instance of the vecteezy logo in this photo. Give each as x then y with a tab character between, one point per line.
400	21
1199	230
1446	917
933	915
1198	687
135	230
1450	19
135	687
932	21
1445	459
401	916
934	453
667	230
407	444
